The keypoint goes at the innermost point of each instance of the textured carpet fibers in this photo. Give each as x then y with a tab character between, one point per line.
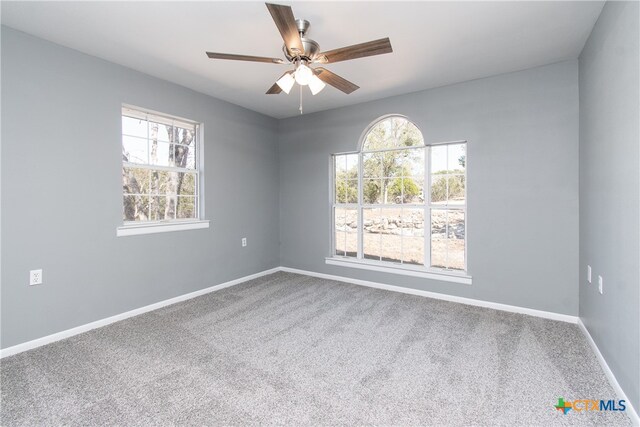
295	350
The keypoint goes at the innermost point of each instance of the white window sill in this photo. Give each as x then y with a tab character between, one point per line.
446	276
160	227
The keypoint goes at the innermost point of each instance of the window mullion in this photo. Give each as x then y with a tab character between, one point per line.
158	167
360	251
427	207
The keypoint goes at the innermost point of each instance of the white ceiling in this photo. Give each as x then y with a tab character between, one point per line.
434	43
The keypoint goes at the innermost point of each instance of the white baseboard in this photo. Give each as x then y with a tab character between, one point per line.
445	297
612	378
19	348
469	301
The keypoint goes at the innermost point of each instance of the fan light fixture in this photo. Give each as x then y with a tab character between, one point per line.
286	82
303	75
316	85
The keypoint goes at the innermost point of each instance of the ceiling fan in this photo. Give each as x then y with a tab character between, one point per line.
301	52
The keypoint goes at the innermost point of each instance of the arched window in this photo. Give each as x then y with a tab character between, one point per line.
399	203
392	132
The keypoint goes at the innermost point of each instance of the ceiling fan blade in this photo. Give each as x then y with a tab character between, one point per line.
335	80
274	90
214	55
362	50
286	23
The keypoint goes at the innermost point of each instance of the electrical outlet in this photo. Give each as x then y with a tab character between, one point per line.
35	277
589	273
600	284
244	242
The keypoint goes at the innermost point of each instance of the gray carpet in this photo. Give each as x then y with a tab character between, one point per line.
295	350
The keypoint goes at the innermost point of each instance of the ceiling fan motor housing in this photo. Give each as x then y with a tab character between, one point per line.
311	47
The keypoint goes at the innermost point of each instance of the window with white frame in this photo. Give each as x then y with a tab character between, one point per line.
398	202
160	168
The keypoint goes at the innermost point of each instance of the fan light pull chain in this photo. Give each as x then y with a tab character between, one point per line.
300	99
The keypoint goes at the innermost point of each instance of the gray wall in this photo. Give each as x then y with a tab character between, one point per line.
522	130
61	192
609	190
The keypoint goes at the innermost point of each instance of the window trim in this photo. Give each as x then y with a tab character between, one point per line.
393	268
458	276
132	228
161	227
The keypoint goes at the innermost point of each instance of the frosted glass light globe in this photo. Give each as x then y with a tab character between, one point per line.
303	75
286	83
315	84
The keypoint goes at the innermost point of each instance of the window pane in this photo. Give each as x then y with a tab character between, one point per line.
392	132
394	191
186	207
371	192
439	159
410	136
457	158
160	132
351	231
346	178
439	238
372	223
340	242
135	208
346	220
180	155
412	224
352	165
413	250
157	205
340	165
173	183
395	162
447	239
187	187
161	154
456	239
340	220
340	231
372	165
413	190
352	191
134	149
135	180
439	191
381	237
456	189
191	159
412	231
391	191
352	244
341	191
391	247
184	136
376	139
134	127
160	182
414	165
